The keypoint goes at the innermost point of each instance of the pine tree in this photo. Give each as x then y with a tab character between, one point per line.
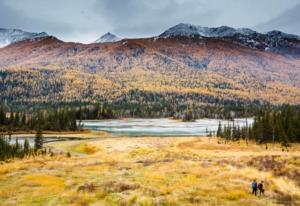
16	120
17	147
11	118
219	131
23	120
26	146
2	116
38	141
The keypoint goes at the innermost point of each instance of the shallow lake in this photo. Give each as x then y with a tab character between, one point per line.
161	127
21	139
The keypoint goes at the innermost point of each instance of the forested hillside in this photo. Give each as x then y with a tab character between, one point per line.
184	70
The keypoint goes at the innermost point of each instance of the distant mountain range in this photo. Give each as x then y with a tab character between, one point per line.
274	41
190	63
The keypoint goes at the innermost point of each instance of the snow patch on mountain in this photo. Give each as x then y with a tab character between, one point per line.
8	36
190	30
108	37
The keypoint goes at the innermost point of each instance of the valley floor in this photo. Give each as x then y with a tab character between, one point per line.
110	170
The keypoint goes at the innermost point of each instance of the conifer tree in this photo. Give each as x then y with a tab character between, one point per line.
2	116
219	131
26	146
38	140
23	120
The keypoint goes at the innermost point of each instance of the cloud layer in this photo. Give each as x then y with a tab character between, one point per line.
287	21
86	20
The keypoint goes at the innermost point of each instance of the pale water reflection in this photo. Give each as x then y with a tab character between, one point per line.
161	127
21	139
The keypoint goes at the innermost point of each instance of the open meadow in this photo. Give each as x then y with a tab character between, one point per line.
110	170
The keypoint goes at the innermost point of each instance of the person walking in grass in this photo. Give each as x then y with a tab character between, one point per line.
254	187
261	188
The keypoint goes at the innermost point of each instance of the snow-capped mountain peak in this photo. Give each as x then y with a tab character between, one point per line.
8	36
108	37
193	30
273	41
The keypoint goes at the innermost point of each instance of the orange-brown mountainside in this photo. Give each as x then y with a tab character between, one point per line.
47	69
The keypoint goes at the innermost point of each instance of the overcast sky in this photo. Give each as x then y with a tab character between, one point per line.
87	20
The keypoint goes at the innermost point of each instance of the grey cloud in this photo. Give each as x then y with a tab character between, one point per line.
87	20
9	18
148	18
140	18
287	22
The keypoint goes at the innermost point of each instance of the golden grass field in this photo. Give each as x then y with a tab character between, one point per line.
152	171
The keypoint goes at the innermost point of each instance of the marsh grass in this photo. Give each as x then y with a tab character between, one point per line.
171	171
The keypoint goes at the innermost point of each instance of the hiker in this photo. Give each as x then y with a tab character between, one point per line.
261	188
254	187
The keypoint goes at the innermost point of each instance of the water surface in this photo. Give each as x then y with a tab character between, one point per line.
21	139
161	127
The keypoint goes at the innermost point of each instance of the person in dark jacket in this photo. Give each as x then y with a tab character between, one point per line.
261	188
254	187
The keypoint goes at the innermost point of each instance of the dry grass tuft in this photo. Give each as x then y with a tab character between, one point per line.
85	148
116	186
87	187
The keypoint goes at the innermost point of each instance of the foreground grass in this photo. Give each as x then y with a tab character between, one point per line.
153	171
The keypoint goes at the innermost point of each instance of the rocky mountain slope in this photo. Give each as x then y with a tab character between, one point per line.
198	68
8	36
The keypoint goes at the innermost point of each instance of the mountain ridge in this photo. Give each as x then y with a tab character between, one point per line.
221	31
202	70
184	29
273	41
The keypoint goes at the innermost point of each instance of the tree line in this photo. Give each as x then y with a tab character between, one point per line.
124	109
38	119
269	126
145	104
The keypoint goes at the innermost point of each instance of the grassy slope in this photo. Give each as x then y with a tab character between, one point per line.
153	171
